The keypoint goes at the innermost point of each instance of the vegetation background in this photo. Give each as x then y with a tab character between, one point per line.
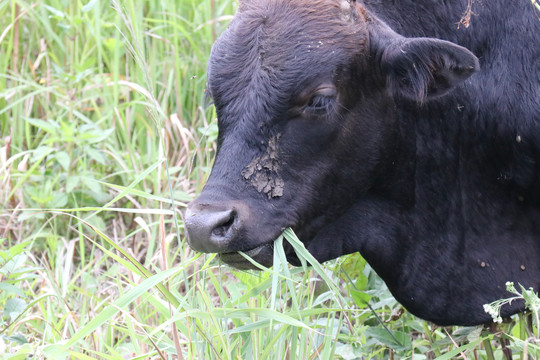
104	137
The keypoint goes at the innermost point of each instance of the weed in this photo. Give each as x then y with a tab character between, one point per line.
104	137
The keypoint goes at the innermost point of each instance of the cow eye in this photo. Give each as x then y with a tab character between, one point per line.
321	100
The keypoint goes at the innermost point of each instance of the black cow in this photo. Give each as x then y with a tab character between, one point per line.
364	127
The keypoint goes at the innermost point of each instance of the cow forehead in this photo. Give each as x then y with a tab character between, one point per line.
272	47
322	7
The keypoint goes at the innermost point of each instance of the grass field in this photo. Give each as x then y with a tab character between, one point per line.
104	137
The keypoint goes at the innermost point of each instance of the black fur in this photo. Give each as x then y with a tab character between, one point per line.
390	138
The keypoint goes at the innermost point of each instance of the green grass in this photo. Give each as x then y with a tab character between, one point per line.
104	137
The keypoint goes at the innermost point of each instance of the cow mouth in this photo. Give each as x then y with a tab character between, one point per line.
262	254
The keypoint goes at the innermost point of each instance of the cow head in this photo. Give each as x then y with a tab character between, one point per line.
305	95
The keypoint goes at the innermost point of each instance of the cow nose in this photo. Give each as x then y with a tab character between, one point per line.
210	229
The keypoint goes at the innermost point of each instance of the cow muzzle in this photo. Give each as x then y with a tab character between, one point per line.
223	227
211	228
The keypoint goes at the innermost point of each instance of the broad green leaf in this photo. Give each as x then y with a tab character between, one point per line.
96	155
396	340
17	338
71	183
14	308
63	159
58	200
361	299
39	153
9	289
46	125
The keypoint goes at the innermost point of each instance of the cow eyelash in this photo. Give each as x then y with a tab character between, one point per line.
320	103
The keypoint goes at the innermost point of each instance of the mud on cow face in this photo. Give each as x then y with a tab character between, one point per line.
304	92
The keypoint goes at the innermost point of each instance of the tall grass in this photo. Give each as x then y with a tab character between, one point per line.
104	137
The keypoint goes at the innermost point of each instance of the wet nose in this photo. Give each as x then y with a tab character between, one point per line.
211	228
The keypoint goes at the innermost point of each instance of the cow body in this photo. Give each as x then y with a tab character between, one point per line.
365	128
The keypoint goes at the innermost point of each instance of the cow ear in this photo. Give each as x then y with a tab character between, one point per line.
423	68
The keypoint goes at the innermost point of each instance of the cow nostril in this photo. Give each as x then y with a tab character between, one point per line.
223	227
211	228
